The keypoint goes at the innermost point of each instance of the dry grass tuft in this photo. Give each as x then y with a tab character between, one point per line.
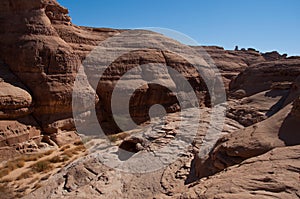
42	166
32	157
4	172
78	143
59	159
37	185
112	138
14	164
74	151
49	152
25	175
65	148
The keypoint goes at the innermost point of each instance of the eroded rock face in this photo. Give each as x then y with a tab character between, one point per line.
90	177
50	49
273	56
256	108
22	135
277	131
148	65
15	100
41	51
18	129
44	63
230	63
261	76
272	175
34	53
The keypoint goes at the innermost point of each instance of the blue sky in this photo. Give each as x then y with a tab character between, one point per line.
263	24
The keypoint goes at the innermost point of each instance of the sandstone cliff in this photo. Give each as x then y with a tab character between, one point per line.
41	53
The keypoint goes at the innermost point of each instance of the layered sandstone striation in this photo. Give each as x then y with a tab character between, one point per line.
41	53
272	175
279	130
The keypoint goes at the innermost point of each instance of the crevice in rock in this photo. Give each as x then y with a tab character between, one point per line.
68	189
91	171
96	189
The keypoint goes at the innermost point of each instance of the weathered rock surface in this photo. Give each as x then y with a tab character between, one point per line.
45	64
41	52
277	131
50	49
89	177
15	100
272	175
262	76
258	107
18	129
19	136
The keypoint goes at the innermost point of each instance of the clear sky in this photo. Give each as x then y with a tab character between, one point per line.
265	25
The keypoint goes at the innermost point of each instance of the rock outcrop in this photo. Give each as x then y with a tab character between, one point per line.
262	76
50	50
279	130
15	100
18	129
272	175
229	62
91	176
41	53
39	58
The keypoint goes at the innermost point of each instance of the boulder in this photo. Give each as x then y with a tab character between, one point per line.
15	99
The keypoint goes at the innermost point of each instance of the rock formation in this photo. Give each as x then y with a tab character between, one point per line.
41	53
262	76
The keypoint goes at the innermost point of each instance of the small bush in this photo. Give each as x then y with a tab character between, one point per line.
74	151
42	166
48	152
65	148
11	166
25	175
68	153
20	163
4	172
86	139
78	143
112	138
37	185
14	164
33	157
65	158
80	148
55	159
122	136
